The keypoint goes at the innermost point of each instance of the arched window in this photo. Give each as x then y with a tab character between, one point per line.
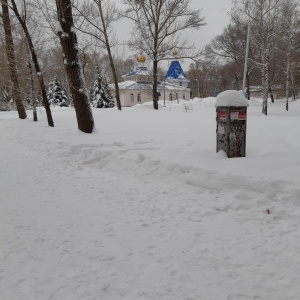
183	96
139	98
170	97
131	98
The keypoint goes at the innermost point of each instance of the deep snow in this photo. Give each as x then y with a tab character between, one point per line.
144	208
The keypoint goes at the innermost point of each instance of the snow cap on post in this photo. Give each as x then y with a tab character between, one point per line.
231	98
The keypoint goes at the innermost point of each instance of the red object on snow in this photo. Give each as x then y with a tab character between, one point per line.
268	211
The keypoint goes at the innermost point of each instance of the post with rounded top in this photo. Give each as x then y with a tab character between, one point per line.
231	109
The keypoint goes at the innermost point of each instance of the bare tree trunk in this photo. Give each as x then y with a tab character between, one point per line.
68	41
111	61
35	63
248	84
33	102
271	94
158	24
265	86
287	85
12	61
236	78
265	75
154	87
155	68
293	85
83	62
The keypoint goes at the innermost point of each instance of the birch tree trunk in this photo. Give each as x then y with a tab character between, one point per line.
263	15
288	74
68	41
290	30
287	86
271	94
10	52
265	82
293	84
248	84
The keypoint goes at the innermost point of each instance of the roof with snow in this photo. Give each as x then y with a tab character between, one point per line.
138	71
133	85
231	98
175	71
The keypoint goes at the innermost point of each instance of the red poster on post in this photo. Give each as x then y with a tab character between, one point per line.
222	115
242	116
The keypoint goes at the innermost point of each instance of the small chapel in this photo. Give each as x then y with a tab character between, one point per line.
137	85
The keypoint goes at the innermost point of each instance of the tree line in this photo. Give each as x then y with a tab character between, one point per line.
273	54
41	39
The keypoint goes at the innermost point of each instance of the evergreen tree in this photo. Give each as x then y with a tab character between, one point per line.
27	101
56	94
100	92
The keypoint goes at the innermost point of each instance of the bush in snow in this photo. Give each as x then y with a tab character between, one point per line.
56	94
6	102
27	101
100	95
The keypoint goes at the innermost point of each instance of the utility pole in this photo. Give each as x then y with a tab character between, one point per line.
246	58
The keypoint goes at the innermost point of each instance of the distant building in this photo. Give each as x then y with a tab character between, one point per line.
137	85
176	76
277	91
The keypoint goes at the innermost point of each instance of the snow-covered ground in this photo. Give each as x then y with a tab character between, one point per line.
144	209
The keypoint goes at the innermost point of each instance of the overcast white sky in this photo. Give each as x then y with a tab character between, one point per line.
215	13
216	17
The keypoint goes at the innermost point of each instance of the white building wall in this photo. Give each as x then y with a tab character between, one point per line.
183	82
146	95
130	97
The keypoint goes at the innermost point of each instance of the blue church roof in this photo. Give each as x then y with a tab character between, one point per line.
138	71
175	71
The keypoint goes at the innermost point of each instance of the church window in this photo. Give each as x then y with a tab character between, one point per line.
131	98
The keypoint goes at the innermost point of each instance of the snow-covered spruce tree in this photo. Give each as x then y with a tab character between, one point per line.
107	94
100	92
6	102
27	101
99	16
56	93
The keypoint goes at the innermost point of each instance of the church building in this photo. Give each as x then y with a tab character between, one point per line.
137	85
